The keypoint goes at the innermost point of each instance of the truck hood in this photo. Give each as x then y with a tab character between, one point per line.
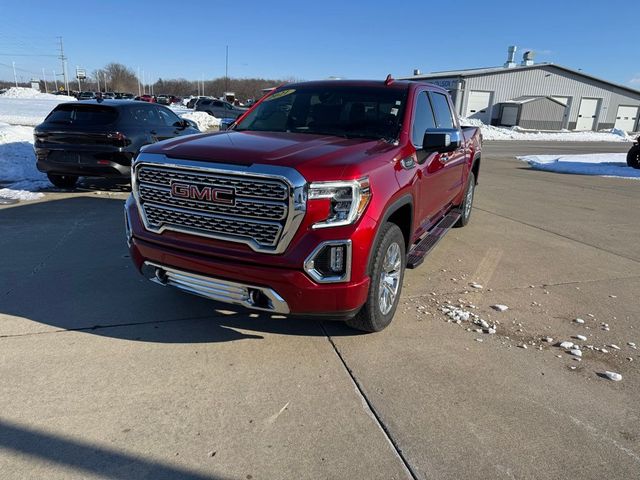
303	152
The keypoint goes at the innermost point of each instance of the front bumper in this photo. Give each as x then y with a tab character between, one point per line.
249	296
290	291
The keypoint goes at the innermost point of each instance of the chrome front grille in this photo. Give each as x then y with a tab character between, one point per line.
244	187
262	233
269	210
266	206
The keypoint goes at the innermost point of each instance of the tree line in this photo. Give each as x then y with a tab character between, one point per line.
115	77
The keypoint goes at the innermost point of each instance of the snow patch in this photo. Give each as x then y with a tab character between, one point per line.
601	164
18	173
26	106
489	132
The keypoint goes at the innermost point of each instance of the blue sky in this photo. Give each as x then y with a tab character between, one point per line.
317	39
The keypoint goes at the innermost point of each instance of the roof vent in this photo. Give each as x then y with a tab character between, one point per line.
527	58
511	57
416	71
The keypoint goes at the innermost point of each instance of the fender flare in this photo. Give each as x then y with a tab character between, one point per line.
404	200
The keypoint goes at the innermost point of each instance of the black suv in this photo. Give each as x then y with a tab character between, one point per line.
101	138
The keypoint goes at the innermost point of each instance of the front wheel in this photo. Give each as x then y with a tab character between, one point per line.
387	272
633	157
63	181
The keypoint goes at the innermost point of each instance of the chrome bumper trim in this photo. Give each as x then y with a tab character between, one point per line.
248	296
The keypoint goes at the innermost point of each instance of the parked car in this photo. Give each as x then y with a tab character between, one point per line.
88	138
633	157
219	108
86	95
313	204
124	96
192	102
108	95
164	99
147	98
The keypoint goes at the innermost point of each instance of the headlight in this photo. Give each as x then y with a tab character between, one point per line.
348	200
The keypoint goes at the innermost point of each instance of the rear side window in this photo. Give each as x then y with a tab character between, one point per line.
168	118
144	116
83	115
444	119
218	104
422	119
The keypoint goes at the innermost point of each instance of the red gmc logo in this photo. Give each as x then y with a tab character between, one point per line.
203	193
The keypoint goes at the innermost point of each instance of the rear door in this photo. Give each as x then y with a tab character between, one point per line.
172	124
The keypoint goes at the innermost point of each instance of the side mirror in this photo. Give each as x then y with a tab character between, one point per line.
441	140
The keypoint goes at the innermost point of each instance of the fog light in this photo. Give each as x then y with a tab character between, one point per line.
337	259
330	262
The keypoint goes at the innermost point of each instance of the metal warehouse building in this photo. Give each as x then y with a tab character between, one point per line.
539	96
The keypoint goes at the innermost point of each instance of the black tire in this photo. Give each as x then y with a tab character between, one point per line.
467	203
633	157
68	182
371	317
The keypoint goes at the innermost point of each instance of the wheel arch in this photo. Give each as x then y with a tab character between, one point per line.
399	212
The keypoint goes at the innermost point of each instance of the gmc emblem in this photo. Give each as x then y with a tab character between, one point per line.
203	193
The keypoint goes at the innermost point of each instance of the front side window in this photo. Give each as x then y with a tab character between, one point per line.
422	119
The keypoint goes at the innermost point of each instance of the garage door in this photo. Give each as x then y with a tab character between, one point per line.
479	106
587	114
626	118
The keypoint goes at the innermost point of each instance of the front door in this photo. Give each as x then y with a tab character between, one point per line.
587	114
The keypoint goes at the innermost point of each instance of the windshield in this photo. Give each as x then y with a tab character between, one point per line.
367	112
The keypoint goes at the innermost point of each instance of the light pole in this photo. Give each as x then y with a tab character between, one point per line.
15	77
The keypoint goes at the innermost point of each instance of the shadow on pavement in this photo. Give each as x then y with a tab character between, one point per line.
65	264
88	458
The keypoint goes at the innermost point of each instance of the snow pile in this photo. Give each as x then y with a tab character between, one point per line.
489	132
18	171
203	119
22	92
26	106
602	164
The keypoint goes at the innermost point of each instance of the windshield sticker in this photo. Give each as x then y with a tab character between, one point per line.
280	94
394	111
398	102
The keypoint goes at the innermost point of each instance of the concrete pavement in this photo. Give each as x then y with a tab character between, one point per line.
105	375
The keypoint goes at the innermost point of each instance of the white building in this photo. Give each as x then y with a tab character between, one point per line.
591	103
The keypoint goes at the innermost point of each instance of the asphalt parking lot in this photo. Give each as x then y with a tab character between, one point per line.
105	375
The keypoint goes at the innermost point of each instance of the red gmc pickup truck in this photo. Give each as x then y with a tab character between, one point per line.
313	203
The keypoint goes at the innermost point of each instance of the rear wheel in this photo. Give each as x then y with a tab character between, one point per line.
387	272
63	181
633	157
467	203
